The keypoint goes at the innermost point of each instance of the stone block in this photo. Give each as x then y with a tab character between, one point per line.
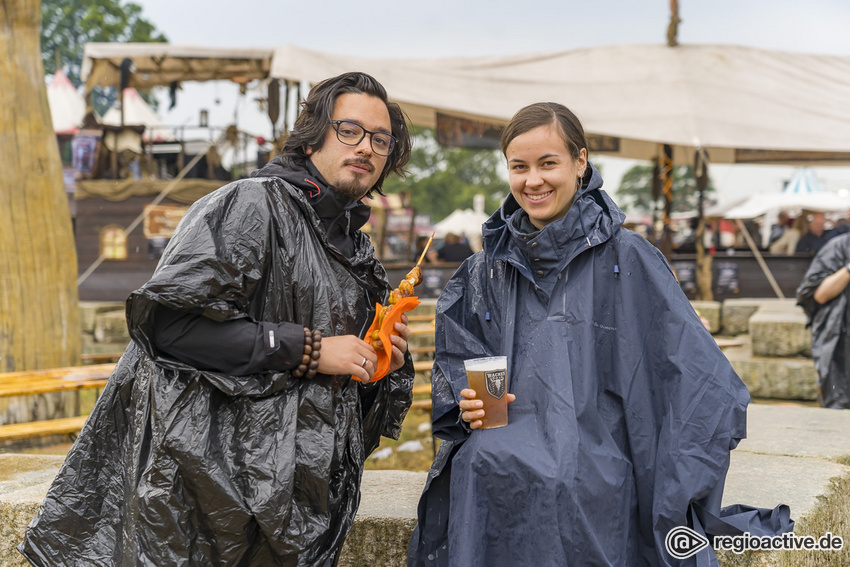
777	378
24	480
379	536
89	310
91	346
780	333
736	313
711	311
788	457
111	327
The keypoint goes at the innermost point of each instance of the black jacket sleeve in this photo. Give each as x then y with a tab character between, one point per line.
238	347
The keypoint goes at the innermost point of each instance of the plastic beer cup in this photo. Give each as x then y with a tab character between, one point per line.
489	378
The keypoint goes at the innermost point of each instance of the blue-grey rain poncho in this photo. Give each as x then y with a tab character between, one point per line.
625	410
830	323
183	467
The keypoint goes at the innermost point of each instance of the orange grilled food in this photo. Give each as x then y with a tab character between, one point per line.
401	301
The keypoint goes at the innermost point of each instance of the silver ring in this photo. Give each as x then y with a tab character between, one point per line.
363	364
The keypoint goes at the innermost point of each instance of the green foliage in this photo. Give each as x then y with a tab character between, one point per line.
635	191
68	25
443	179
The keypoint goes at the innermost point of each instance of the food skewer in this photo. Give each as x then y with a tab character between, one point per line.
401	300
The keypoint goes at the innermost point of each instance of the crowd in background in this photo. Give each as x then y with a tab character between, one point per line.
803	233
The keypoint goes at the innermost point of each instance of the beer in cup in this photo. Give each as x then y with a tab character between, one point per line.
489	378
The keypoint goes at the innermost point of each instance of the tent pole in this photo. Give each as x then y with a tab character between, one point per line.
768	274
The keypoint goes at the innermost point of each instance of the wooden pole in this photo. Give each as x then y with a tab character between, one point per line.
39	311
673	27
767	273
703	271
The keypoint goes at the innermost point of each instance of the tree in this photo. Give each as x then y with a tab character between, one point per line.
39	318
443	179
635	191
68	25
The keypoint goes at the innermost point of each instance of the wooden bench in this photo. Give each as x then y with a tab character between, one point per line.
100	357
65	425
32	382
419	390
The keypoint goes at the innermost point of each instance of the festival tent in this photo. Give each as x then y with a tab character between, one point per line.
802	192
157	64
739	104
461	222
67	106
742	105
137	112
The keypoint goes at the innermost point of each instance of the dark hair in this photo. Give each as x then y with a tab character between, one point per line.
544	114
315	119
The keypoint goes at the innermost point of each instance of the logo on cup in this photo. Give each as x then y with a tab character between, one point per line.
497	383
683	542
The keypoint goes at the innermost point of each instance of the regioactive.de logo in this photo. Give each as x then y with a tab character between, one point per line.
683	542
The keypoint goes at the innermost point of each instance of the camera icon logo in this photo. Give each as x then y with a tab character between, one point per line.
683	542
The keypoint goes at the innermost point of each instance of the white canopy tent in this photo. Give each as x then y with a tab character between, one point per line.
137	112
742	105
67	106
802	193
463	222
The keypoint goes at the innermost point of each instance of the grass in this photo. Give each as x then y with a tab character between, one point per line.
832	514
408	461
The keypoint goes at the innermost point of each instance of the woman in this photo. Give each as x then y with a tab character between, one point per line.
625	410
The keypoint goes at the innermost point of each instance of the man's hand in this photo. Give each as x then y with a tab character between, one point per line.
348	355
471	408
399	343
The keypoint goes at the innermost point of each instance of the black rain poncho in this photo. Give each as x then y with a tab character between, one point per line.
625	410
177	466
830	323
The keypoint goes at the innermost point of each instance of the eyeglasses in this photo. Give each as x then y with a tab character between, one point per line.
352	134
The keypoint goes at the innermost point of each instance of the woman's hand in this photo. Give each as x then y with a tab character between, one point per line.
348	355
471	408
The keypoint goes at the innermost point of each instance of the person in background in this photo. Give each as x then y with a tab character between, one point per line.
816	237
235	427
624	410
825	297
430	256
778	229
787	243
454	250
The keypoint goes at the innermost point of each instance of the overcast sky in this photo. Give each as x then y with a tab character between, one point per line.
446	28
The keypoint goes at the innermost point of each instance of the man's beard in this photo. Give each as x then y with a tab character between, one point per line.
353	189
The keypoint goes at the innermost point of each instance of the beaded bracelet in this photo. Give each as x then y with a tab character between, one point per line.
310	358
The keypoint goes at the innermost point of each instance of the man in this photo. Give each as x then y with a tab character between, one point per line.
816	237
231	432
823	295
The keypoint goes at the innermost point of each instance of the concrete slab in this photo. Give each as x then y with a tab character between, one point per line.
797	431
788	458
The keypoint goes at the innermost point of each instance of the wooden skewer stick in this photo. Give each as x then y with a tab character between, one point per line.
422	257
